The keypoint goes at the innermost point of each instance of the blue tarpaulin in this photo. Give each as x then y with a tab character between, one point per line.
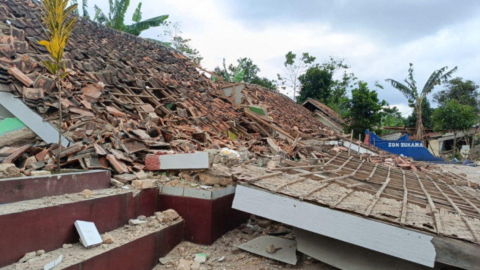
402	146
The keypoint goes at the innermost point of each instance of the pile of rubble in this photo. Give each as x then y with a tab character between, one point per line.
118	111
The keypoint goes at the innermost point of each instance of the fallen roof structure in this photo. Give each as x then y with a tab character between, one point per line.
324	114
130	97
369	205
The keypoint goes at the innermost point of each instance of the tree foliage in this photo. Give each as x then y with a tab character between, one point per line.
116	18
363	110
294	67
454	117
171	36
56	16
245	71
416	98
427	116
465	92
316	83
84	8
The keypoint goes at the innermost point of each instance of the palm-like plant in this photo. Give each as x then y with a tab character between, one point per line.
56	16
415	99
116	18
84	8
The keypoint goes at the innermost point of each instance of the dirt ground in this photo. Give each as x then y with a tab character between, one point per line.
224	254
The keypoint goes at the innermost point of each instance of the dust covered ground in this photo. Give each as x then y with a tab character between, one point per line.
224	254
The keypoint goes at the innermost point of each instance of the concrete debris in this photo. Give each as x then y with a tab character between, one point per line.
40	173
87	193
67	245
274	248
218	175
135	222
116	183
28	257
107	239
54	263
144	184
190	161
200	257
167	216
88	232
9	171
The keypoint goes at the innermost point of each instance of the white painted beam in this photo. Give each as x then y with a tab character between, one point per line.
31	119
391	240
354	147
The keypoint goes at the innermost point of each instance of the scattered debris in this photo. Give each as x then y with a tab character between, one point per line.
107	238
276	248
54	263
88	232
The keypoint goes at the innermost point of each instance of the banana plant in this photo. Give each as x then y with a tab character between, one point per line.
84	8
116	18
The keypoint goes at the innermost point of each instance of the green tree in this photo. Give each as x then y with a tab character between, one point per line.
265	82
172	37
316	84
454	117
245	71
56	16
465	92
363	110
293	69
391	117
116	18
84	8
427	116
414	97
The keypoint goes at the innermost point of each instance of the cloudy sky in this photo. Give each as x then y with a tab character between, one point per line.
377	38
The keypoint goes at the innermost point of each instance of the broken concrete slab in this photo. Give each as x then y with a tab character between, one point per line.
31	119
284	250
189	161
392	240
88	232
347	256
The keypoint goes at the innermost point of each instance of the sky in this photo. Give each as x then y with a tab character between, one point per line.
376	38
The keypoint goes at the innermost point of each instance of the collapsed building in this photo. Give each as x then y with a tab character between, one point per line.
142	118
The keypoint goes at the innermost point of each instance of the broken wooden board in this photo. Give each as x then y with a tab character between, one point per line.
285	249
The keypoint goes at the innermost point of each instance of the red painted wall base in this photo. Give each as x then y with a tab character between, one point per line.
205	220
141	254
50	227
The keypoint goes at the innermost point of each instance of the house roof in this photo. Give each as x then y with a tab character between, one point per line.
433	202
130	96
323	110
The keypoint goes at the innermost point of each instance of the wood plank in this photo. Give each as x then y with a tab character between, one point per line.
405	201
433	209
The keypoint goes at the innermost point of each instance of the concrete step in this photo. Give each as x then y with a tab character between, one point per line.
134	247
48	223
29	188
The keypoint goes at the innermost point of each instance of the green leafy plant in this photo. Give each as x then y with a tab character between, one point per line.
116	18
416	98
454	117
56	16
293	69
84	8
